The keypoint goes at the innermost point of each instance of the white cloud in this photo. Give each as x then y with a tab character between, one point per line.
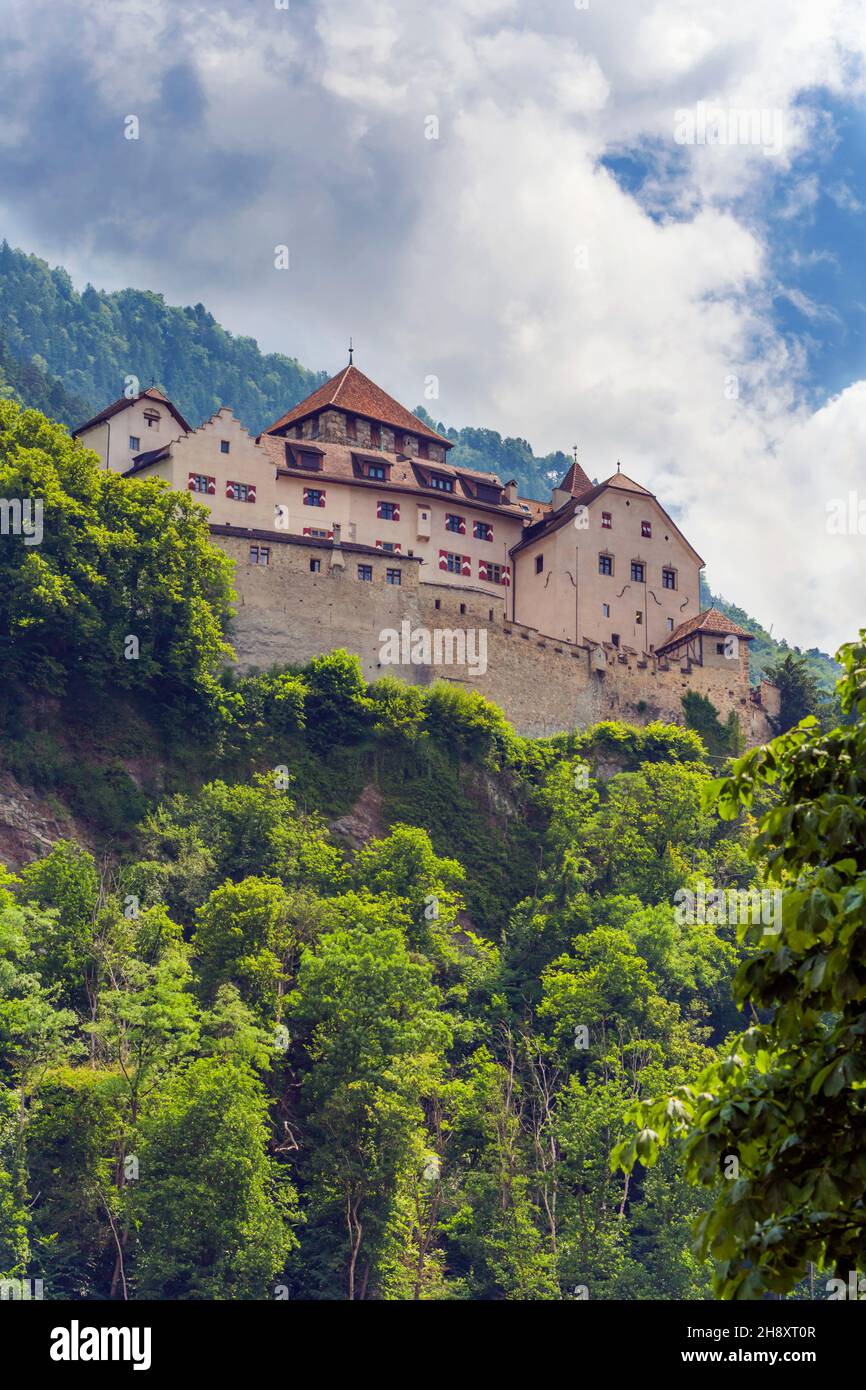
458	255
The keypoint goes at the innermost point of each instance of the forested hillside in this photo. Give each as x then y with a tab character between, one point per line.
767	651
330	990
92	341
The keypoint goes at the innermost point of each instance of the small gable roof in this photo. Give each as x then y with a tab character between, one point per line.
124	402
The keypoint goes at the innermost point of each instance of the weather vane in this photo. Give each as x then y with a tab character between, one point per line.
351	350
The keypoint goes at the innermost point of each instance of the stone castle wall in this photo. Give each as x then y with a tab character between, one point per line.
288	613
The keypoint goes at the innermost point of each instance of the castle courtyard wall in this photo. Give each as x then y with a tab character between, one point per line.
287	614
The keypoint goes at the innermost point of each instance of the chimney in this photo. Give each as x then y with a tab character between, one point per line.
511	492
337	558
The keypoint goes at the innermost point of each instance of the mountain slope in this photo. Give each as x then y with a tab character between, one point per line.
767	650
92	341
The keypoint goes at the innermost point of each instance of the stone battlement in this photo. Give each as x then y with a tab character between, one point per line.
310	597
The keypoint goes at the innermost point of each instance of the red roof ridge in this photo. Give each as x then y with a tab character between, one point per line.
359	396
711	620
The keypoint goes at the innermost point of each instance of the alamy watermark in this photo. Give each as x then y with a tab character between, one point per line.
846	516
708	124
729	907
22	516
440	646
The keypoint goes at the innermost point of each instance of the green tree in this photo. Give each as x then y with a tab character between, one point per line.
212	1212
367	1018
798	690
118	559
773	1128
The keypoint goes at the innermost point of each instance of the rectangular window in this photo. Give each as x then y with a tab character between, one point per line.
152	419
720	649
494	573
670	624
398	441
481	531
606	521
351	427
388	511
314	497
440	483
423	450
539	564
377	472
315	566
318	532
134	443
638	617
200	482
393	576
224	446
389	547
646	528
605	564
365	572
669	579
375	436
240	492
614	637
637	571
260	554
605	610
455	523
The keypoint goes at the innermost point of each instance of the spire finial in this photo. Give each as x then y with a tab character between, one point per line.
574	450
618	465
351	350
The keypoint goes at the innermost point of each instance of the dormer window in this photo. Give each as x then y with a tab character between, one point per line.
440	483
377	471
488	492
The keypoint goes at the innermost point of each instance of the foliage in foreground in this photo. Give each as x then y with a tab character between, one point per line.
774	1126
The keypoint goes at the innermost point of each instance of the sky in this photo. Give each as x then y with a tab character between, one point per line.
636	227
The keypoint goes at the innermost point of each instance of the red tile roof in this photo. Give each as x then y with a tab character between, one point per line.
151	394
710	621
551	520
338	464
350	390
575	481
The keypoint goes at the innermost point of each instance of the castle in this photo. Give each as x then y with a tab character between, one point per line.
346	521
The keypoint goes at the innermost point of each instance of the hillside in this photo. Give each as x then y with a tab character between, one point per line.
766	650
321	989
91	341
